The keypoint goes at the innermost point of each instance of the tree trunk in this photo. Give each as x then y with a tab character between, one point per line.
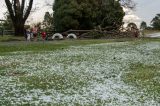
19	14
19	29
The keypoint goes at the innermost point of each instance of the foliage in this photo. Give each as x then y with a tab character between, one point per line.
7	24
156	22
86	14
48	21
143	25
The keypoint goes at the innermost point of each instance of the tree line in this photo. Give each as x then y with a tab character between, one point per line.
154	24
73	14
86	14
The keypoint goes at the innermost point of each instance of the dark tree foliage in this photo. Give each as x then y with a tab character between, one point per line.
48	22
156	22
19	12
143	25
86	14
111	13
7	23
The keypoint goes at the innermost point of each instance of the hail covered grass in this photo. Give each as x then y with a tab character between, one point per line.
83	75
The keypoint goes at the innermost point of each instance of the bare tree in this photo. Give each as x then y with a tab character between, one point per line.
19	13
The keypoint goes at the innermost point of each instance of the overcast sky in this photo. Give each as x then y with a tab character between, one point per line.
145	10
36	16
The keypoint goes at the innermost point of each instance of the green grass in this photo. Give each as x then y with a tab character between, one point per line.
54	45
138	75
144	77
45	46
8	38
151	31
59	82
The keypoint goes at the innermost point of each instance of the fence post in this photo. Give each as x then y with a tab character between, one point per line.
2	32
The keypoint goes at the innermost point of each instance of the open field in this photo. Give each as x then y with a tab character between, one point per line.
146	32
123	72
7	38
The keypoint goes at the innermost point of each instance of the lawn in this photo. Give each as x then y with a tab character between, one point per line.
124	72
8	38
146	32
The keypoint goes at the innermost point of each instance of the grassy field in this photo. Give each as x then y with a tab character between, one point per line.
50	45
146	32
123	72
8	38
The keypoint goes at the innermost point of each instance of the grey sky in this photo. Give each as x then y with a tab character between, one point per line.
34	16
145	10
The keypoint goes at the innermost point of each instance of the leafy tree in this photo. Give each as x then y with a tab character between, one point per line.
7	24
143	25
65	14
156	22
48	21
86	14
1	23
19	13
111	13
1	27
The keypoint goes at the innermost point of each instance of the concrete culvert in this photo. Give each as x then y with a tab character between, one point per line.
57	36
72	36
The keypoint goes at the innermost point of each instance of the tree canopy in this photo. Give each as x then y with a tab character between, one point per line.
143	25
48	21
86	14
7	23
156	22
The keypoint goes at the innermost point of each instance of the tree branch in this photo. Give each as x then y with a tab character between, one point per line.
28	10
22	6
9	6
14	6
